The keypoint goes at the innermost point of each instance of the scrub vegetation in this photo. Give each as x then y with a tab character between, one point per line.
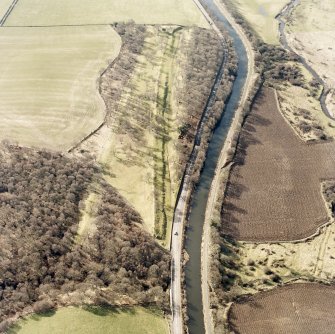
310	32
261	266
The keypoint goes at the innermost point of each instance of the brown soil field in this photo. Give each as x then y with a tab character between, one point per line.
298	308
274	190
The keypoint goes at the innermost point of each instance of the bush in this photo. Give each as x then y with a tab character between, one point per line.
43	306
251	262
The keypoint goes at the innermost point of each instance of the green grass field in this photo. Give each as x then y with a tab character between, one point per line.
76	12
261	15
92	320
48	83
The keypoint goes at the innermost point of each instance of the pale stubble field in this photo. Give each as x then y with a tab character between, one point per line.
49	83
87	12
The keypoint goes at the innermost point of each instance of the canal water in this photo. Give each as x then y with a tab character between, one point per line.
198	204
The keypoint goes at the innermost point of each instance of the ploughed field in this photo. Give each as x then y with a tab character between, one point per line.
299	308
274	191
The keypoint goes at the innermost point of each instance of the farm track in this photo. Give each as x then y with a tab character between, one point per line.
9	10
59	25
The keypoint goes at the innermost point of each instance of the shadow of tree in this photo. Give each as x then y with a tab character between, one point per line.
235	187
107	310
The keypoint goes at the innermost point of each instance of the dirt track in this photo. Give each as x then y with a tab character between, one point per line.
293	309
274	188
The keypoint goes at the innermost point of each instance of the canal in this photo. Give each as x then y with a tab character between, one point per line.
200	197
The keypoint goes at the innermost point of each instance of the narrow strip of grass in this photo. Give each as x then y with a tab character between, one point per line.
163	195
94	320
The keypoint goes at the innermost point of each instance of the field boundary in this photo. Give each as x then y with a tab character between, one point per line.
93	132
96	24
9	10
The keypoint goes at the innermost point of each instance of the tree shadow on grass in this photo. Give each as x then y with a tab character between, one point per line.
47	314
108	310
104	311
17	326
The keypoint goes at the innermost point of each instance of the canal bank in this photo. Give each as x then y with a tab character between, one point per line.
194	232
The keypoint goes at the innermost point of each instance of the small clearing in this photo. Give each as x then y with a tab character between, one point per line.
293	309
92	320
87	12
86	225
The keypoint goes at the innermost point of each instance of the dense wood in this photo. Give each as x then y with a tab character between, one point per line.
40	260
